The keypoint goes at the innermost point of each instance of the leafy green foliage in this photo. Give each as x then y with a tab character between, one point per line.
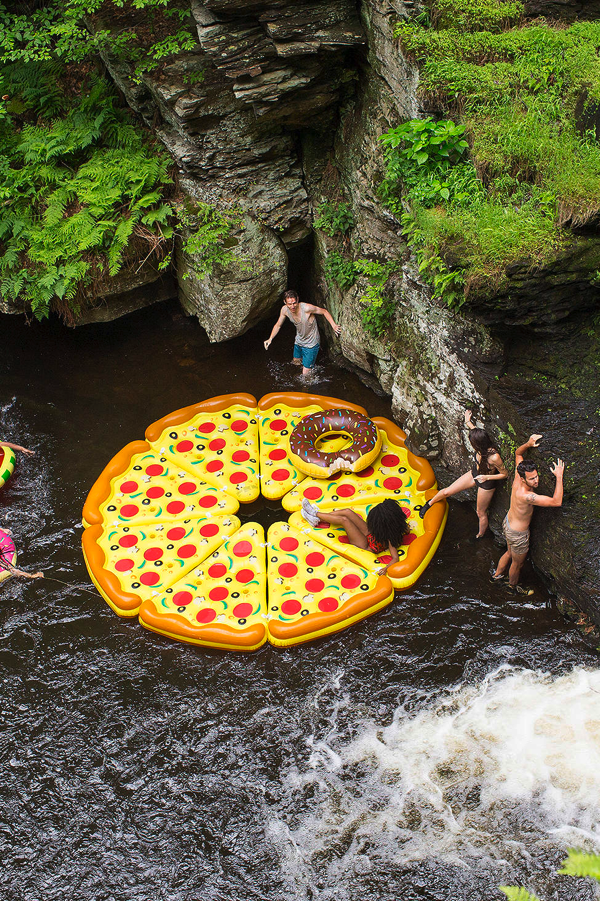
334	219
210	235
514	893
339	271
476	15
523	97
578	863
377	307
75	192
422	143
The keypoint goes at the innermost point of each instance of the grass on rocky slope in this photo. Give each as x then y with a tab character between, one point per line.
526	98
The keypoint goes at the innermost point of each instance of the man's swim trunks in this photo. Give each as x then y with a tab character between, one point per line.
518	542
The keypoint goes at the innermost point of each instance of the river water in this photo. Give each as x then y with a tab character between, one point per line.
447	745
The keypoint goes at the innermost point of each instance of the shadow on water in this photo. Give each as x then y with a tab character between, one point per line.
386	762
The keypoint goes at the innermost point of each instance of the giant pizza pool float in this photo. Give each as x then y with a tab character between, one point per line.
7	464
163	539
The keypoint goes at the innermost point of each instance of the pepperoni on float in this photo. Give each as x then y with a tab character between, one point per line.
241	611
290	607
240	425
129	487
350	581
244	576
217	444
315	585
209	500
328	605
155	469
315	559
129	510
182	598
214	466
278	454
345	490
218	594
392	483
206	427
124	566
390	460
242	548
217	570
343	539
184	446
153	553
365	473
237	477
176	533
408	539
149	578
206	615
287	570
278	425
312	493
186	551
240	456
288	544
128	541
280	475
155	492
187	488
209	530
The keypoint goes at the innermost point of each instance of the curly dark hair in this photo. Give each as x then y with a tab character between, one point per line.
387	523
482	443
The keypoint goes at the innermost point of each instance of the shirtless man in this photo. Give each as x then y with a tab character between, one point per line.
522	501
308	341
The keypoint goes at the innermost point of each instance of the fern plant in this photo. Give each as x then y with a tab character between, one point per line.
577	863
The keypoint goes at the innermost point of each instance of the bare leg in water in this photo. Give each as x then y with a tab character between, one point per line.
484	499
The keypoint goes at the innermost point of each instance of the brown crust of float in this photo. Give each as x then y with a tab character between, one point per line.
100	490
213	405
106	581
171	625
300	399
317	622
423	467
419	549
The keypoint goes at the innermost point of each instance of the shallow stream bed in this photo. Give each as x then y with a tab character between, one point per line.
446	745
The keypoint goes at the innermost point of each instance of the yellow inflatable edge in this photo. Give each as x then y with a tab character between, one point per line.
7	464
216	637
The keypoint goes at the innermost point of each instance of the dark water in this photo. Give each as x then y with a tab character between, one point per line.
444	746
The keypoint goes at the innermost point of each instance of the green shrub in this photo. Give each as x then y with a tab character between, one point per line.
377	310
577	863
209	235
339	271
334	219
533	169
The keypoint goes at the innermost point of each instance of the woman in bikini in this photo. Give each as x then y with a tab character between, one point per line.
487	470
383	531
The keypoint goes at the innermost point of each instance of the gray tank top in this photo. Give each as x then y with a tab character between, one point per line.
307	330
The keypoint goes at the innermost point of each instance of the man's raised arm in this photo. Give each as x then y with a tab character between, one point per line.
520	452
540	500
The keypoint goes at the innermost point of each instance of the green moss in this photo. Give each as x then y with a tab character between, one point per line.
533	171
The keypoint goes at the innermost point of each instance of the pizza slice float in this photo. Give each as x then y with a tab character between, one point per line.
216	440
131	563
222	603
314	592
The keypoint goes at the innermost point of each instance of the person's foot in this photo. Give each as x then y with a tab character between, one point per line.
310	518
296	362
520	589
478	536
310	508
37	576
496	577
425	507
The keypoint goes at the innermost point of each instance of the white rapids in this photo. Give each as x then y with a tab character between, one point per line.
488	775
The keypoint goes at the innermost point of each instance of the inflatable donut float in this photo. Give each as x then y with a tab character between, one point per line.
306	440
7	464
8	554
162	540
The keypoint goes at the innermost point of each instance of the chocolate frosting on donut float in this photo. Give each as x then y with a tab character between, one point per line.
305	438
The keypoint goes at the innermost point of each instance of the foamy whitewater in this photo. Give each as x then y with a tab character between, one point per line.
487	776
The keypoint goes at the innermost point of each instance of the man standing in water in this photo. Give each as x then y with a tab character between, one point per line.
306	346
516	523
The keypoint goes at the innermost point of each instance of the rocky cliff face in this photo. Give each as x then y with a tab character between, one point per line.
281	106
